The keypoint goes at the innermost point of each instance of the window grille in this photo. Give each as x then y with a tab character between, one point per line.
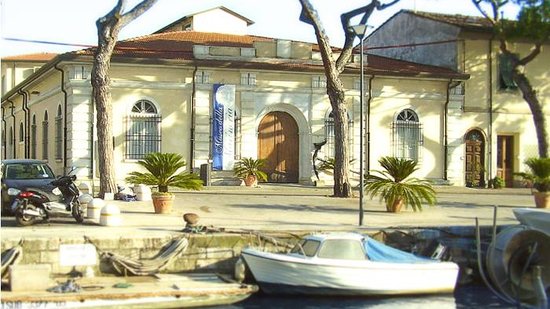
330	138
407	137
143	134
58	134
505	72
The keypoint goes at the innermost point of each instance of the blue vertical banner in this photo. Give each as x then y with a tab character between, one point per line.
223	127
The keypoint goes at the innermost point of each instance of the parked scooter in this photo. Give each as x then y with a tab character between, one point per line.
32	204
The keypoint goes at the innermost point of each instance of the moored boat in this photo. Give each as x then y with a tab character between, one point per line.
537	218
160	291
348	264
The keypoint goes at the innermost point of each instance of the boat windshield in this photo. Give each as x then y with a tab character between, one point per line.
344	249
306	247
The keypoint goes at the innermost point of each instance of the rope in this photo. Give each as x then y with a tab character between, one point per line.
124	265
11	257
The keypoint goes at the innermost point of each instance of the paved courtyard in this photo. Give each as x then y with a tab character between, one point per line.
276	207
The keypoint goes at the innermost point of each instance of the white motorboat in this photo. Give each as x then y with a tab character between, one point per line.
537	218
348	264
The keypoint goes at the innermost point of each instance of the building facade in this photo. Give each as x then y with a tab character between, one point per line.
217	97
495	132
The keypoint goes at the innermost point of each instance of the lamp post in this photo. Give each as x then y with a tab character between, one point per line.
359	31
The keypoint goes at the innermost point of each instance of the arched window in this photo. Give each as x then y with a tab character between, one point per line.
407	135
33	137
21	132
143	133
45	136
59	134
329	136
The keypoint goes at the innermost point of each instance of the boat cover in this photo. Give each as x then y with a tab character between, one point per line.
377	251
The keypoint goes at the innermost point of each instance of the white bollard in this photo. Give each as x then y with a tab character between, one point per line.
85	199
110	216
94	209
143	193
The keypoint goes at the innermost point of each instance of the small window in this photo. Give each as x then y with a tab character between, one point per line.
407	135
505	72
45	136
342	249
33	137
202	77
319	81
248	79
307	247
80	72
59	133
21	132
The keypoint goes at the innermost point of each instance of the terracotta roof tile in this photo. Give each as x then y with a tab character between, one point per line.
462	21
179	46
38	57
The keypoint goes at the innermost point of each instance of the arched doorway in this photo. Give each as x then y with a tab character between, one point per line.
475	159
278	145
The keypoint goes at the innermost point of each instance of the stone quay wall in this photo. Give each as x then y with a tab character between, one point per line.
218	252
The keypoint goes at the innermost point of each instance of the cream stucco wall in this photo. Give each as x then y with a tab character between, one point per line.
170	89
511	115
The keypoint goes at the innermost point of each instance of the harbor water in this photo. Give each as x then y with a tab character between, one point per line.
472	296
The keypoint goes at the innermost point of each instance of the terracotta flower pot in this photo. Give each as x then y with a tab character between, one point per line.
163	203
542	199
396	206
251	181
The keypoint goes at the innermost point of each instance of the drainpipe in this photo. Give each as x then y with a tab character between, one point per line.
368	124
92	151
193	111
26	119
64	117
490	128
4	127
13	137
446	133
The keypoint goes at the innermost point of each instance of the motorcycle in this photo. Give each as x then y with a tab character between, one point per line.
32	204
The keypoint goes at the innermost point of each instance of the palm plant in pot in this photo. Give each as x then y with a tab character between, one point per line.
162	171
395	186
248	169
539	176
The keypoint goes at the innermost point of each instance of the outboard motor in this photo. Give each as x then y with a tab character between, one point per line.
518	263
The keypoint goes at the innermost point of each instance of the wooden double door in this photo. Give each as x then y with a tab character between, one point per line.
505	159
475	159
278	144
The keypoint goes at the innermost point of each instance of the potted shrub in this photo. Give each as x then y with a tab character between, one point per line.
162	171
248	170
539	176
395	186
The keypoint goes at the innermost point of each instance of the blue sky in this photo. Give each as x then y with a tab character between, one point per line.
73	21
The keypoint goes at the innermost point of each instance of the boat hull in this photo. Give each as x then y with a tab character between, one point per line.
288	274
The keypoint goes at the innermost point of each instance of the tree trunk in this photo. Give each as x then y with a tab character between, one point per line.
530	96
336	93
108	28
102	96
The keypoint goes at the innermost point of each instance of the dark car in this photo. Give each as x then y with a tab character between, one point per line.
22	174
